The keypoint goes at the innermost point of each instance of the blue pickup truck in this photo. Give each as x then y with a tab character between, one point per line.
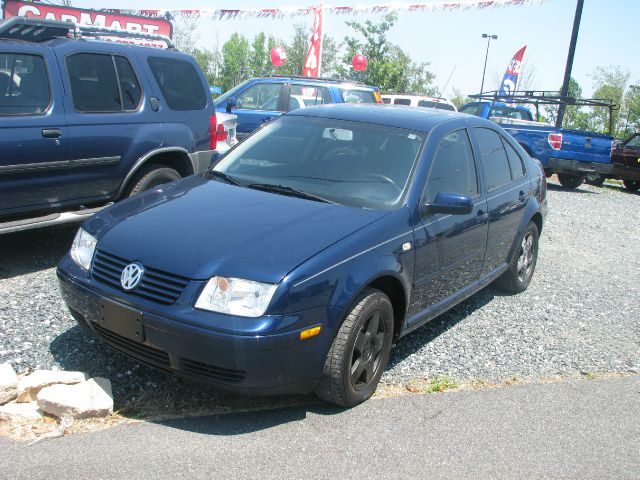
571	154
85	122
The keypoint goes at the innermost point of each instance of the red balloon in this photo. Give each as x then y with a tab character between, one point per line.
359	62
278	56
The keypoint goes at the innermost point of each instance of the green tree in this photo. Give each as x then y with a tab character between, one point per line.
631	110
458	98
610	83
236	62
261	55
388	66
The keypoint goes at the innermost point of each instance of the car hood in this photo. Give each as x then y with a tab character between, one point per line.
199	227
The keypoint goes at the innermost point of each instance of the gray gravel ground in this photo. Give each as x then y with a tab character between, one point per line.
579	315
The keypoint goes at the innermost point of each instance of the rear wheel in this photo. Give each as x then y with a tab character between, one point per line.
359	352
568	180
520	272
150	176
632	185
595	180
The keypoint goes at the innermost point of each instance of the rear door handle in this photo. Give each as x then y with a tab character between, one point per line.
51	133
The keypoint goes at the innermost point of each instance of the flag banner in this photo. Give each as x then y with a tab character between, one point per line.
296	11
314	54
510	79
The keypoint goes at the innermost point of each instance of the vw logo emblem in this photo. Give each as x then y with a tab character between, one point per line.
131	276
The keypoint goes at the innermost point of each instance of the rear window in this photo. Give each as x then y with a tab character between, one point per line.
179	82
357	96
24	86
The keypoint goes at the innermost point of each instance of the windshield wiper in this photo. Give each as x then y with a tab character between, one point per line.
224	176
268	187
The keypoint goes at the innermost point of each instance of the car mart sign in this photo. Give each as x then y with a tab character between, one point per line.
132	23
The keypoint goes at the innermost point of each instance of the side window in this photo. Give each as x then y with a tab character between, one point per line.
129	86
358	96
496	165
94	85
260	96
305	96
386	100
24	86
402	101
179	83
453	169
515	161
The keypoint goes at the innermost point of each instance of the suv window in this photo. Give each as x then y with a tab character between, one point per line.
24	86
432	104
260	96
97	87
308	95
357	96
179	82
515	161
453	169
402	101
496	165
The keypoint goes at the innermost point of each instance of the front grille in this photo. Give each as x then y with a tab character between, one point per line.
210	372
148	355
156	285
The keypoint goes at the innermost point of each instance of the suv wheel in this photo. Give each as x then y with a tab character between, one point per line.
150	176
359	352
570	181
595	180
632	185
518	276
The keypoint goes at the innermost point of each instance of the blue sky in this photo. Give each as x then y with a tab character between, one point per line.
451	40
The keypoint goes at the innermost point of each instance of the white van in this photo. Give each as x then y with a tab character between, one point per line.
419	101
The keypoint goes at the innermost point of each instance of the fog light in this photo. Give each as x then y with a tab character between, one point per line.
309	332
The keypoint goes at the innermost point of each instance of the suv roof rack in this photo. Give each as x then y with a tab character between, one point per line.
40	30
325	79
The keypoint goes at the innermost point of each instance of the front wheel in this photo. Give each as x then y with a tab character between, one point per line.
570	181
595	180
359	352
631	185
518	276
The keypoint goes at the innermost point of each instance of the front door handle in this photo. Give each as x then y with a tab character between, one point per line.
51	133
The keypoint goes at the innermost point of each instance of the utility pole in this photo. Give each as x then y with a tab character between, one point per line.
564	91
488	36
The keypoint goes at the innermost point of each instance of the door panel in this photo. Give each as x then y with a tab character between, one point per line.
34	139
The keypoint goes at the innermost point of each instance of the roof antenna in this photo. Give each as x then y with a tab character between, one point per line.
445	86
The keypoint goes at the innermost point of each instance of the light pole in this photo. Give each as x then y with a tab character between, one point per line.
488	37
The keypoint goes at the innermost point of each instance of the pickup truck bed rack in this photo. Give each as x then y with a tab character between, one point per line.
548	97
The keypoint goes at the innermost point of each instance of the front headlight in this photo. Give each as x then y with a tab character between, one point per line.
235	296
82	249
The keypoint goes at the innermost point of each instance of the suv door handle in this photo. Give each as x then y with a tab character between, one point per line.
51	133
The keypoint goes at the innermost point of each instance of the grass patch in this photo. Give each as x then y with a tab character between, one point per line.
440	384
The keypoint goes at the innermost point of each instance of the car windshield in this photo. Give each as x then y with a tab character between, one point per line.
351	163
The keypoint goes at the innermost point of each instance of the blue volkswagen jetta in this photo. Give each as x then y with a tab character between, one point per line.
295	262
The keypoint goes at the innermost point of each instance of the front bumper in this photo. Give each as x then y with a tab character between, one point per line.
274	363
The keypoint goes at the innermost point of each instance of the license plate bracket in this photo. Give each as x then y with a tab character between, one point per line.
122	320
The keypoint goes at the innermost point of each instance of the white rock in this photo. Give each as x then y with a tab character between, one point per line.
24	410
92	398
8	383
29	386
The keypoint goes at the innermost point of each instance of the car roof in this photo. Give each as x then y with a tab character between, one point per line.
400	116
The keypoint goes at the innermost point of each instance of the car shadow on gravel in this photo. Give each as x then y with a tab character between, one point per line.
143	392
559	188
34	250
423	335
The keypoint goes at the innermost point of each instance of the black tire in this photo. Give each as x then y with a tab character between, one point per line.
520	272
595	180
568	180
364	342
148	177
631	185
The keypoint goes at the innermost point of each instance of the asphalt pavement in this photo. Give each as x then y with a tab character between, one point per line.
580	429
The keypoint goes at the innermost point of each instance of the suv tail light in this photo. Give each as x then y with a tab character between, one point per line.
213	137
555	140
377	96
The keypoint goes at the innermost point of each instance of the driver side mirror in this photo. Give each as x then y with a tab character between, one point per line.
450	203
231	104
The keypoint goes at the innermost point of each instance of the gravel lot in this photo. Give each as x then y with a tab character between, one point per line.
579	315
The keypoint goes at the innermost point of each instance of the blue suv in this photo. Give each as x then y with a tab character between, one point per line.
262	99
294	263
